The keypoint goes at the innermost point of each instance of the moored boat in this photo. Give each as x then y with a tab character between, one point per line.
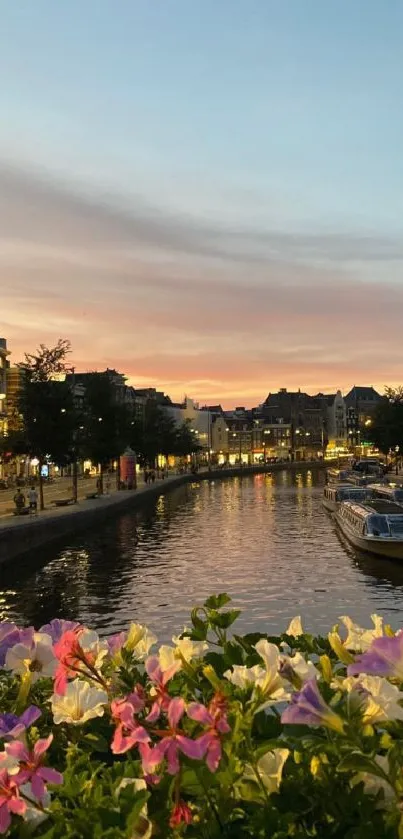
391	492
360	480
337	476
335	494
376	526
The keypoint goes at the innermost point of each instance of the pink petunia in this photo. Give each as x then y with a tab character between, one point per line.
10	801
181	814
214	718
79	651
173	742
128	732
31	769
160	680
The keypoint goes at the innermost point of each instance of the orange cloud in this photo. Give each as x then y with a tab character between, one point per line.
224	315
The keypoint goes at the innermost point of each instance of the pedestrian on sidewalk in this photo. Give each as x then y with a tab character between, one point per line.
33	501
19	501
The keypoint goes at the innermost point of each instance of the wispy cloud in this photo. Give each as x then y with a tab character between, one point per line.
191	306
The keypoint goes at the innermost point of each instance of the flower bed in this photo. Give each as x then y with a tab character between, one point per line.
212	736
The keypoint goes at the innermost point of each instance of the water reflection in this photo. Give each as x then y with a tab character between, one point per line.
265	539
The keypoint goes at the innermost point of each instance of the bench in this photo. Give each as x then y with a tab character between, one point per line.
63	502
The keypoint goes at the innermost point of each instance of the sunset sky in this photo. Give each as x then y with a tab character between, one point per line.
205	194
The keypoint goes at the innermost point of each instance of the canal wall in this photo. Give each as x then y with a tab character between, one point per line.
19	536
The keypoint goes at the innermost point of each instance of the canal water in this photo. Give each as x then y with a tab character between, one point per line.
264	539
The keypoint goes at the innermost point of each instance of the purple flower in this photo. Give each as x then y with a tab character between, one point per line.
309	708
116	642
10	634
383	658
57	627
12	726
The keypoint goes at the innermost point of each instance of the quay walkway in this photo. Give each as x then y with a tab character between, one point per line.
22	534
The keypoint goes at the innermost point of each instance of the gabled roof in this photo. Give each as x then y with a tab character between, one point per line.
363	394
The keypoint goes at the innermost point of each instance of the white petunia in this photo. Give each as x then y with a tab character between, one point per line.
143	828
270	769
80	703
380	699
359	639
373	783
184	648
303	668
36	658
267	679
273	684
140	640
244	677
35	815
295	627
90	642
10	763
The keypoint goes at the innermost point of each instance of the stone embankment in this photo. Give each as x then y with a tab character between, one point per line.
21	535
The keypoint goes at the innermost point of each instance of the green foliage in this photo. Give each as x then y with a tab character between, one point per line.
156	433
105	422
386	430
274	779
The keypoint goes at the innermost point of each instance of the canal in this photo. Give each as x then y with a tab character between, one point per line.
265	539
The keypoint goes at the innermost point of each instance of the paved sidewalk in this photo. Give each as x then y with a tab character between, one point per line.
9	520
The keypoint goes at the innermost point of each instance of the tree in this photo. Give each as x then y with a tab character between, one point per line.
47	363
105	422
386	429
154	434
185	443
46	406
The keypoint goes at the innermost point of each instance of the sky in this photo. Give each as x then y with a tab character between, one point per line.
206	196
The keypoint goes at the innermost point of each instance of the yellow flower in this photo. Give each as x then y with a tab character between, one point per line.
295	627
269	768
80	703
184	649
140	640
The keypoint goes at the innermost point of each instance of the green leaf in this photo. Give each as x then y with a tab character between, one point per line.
223	619
357	762
200	626
216	601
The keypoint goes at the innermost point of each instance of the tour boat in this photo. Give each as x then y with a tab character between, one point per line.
390	492
337	476
375	527
360	480
334	494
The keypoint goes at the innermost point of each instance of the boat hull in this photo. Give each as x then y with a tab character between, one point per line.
389	548
331	506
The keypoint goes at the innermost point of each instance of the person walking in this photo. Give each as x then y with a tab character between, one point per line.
33	500
19	501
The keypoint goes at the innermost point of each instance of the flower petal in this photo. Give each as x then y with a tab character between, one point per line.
176	710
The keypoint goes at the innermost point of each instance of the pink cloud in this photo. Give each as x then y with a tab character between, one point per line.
195	310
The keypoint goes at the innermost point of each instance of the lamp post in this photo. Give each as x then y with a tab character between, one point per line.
264	445
297	432
397	449
307	434
72	370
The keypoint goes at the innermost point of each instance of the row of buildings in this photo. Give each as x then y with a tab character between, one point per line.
287	425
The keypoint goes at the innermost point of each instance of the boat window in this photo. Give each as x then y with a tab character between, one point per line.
396	525
377	526
398	493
